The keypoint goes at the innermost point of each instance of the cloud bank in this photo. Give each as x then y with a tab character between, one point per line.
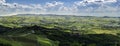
93	7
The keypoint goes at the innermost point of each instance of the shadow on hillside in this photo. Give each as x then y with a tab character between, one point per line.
67	39
5	44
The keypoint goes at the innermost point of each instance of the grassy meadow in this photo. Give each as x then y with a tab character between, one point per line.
59	30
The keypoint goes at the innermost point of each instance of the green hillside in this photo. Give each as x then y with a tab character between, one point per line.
59	31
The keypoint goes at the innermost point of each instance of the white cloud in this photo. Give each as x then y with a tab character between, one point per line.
2	1
57	7
63	8
80	3
104	1
53	4
107	9
90	0
8	8
96	5
112	1
87	2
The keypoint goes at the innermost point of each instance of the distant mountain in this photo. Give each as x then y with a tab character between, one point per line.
62	15
33	14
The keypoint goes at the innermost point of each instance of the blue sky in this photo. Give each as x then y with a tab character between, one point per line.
37	1
66	7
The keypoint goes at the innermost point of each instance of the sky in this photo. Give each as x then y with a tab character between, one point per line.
61	7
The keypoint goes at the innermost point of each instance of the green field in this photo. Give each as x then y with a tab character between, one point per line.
59	30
